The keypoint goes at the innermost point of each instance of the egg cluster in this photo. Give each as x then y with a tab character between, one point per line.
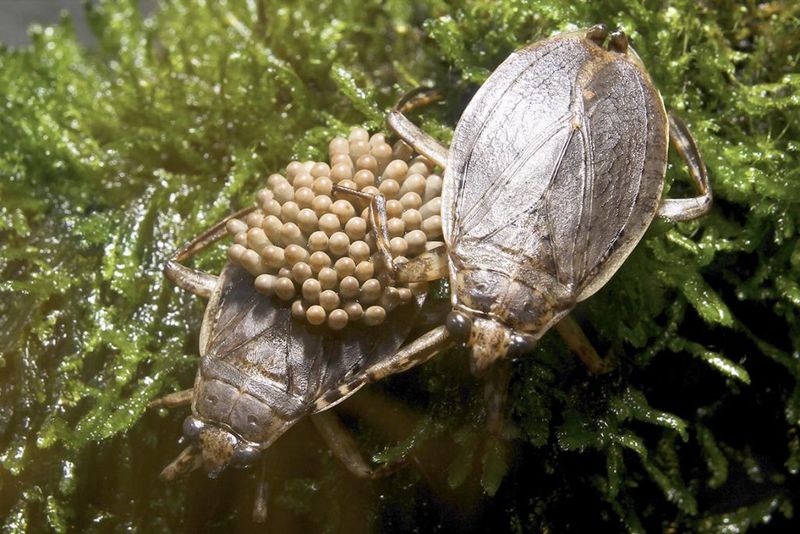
314	247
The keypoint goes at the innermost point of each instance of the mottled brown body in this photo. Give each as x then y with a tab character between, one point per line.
542	223
261	371
554	173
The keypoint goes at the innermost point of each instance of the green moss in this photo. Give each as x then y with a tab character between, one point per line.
111	157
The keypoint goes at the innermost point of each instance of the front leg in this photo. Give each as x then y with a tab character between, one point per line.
190	459
261	501
577	342
429	266
344	447
173	400
686	209
495	393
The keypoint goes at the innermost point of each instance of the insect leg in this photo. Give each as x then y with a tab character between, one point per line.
418	98
192	280
379	229
685	209
418	351
579	344
173	400
344	447
495	393
187	461
495	443
410	132
427	267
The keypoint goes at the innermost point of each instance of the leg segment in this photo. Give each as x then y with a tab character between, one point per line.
192	280
173	400
418	351
578	343
411	133
495	393
418	98
380	232
344	447
426	267
685	209
187	461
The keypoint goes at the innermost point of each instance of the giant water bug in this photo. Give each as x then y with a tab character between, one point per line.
261	371
554	173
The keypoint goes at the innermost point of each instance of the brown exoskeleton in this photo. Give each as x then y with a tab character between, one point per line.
261	370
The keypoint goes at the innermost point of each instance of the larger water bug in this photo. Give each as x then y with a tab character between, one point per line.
554	173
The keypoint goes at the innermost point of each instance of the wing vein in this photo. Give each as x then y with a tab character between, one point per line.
548	190
509	174
588	197
487	117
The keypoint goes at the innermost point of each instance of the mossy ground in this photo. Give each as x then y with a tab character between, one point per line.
111	157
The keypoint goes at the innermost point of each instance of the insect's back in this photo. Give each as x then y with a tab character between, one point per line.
555	171
261	370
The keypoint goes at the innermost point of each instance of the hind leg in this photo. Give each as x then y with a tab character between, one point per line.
426	267
262	494
410	132
432	264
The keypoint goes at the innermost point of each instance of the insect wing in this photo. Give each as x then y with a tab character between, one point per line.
556	165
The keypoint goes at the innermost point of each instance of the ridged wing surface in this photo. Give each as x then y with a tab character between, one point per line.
556	166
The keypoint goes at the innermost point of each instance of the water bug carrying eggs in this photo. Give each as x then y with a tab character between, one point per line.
303	258
311	240
555	171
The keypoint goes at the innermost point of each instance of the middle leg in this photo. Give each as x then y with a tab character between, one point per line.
579	344
415	353
197	282
410	132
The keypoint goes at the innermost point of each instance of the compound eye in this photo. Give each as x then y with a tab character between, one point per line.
520	344
245	455
192	428
458	325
